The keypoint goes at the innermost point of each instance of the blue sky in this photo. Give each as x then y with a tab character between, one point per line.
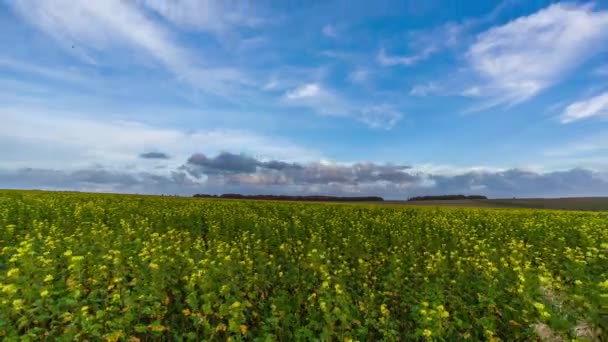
504	98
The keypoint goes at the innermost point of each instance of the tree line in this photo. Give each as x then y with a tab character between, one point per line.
296	198
446	197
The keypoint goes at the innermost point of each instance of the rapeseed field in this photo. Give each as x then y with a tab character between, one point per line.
141	268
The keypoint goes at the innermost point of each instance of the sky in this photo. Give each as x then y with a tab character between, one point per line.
389	98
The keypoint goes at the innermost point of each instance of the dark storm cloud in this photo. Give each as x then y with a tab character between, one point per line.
154	155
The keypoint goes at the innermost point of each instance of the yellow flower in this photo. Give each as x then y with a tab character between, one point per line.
48	278
338	289
12	272
323	305
423	312
84	309
157	327
384	310
427	333
243	329
44	293
10	288
18	304
440	308
68	252
153	266
186	312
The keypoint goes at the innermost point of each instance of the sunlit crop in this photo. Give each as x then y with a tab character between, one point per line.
112	267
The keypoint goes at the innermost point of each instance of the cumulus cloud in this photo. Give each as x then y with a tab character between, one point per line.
242	167
596	106
225	175
518	60
521	183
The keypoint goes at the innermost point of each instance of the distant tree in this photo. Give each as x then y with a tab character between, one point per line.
295	198
446	198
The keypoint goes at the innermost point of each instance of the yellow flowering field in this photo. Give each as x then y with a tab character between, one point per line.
141	268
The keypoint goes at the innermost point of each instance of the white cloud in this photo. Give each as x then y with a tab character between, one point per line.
318	98
385	59
60	74
380	116
596	106
426	89
358	75
311	90
426	43
207	15
94	26
471	92
328	102
330	31
518	60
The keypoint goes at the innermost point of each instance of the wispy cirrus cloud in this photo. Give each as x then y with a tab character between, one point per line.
328	102
594	107
385	59
518	60
359	75
426	89
330	31
426	43
56	73
206	15
89	28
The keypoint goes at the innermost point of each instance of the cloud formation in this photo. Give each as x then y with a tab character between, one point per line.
327	102
205	15
385	59
233	173
87	28
234	167
518	60
596	106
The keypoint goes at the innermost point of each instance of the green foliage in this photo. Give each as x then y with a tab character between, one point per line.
115	267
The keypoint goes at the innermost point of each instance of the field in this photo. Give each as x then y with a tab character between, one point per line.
572	203
139	268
